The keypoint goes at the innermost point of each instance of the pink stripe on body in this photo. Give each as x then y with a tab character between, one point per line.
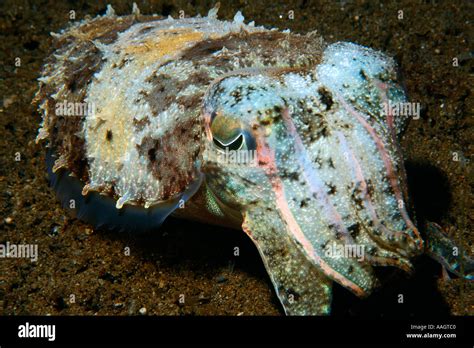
266	158
388	165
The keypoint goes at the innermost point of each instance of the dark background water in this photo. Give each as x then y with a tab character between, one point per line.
197	260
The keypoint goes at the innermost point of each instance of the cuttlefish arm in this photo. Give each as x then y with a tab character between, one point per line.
441	248
301	287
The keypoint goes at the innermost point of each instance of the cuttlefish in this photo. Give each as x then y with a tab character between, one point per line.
281	135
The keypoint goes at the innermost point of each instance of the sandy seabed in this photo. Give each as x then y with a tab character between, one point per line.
195	260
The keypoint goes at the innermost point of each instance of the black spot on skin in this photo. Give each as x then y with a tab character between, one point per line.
354	230
331	163
108	135
294	176
362	74
350	269
325	132
332	189
237	94
370	187
152	155
326	97
319	162
303	203
357	200
316	127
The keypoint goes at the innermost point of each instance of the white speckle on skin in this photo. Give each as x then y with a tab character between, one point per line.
239	18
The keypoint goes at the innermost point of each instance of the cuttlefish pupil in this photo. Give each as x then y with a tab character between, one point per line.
233	145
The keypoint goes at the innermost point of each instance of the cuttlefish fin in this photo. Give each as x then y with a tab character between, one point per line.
101	211
301	288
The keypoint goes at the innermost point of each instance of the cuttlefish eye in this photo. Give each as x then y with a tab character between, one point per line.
228	134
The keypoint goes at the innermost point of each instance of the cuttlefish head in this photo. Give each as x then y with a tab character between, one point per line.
315	182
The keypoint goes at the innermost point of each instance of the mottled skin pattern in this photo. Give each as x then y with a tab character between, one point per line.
171	96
